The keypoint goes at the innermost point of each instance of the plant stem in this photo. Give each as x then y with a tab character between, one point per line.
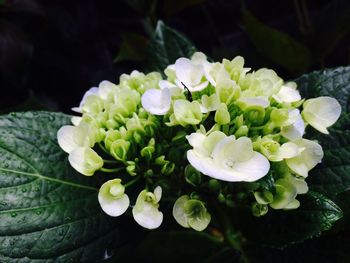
131	182
232	237
107	170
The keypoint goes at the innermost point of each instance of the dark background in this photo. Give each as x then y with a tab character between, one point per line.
52	51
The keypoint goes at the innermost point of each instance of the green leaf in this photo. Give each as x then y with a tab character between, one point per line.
277	46
133	47
48	212
332	176
166	46
280	228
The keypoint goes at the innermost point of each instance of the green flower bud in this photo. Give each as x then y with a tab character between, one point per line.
168	168
214	185
222	116
279	116
111	136
131	168
119	149
192	176
264	197
160	160
147	152
221	198
254	114
259	209
242	131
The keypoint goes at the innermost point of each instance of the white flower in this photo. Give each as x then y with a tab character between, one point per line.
85	160
91	91
209	103
71	137
226	158
310	154
145	211
288	93
156	101
295	127
190	75
321	112
112	198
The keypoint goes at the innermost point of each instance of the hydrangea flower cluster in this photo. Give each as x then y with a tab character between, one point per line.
207	132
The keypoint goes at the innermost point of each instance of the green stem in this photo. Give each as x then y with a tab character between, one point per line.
232	237
103	148
110	161
114	170
133	181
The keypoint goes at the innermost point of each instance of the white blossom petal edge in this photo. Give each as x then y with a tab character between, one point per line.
156	101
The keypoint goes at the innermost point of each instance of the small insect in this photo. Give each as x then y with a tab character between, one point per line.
188	92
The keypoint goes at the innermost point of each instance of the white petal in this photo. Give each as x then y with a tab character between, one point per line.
112	206
187	72
307	159
196	139
287	95
321	112
105	88
158	193
253	169
296	129
76	120
149	217
196	161
156	101
91	91
255	101
288	150
65	137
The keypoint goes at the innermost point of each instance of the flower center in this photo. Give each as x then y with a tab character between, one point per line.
230	163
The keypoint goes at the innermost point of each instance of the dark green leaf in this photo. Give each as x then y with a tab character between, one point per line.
166	46
48	212
332	176
133	47
329	82
280	228
277	46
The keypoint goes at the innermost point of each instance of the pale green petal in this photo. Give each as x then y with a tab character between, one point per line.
65	137
321	112
158	193
178	211
292	205
200	223
285	194
85	160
